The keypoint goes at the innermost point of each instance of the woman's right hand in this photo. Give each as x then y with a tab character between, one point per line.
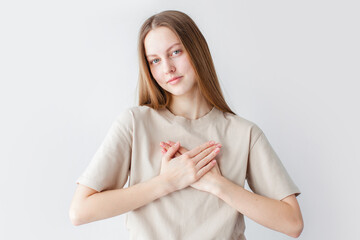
186	169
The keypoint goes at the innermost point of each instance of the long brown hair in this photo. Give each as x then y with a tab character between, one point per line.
150	93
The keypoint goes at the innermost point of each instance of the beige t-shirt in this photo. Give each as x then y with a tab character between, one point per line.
131	148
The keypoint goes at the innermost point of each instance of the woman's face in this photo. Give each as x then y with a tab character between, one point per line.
168	59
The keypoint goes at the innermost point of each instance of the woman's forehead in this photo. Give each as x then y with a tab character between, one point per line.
160	40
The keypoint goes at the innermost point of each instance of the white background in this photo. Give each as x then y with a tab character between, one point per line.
67	68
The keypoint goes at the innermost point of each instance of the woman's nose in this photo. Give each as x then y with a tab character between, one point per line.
169	66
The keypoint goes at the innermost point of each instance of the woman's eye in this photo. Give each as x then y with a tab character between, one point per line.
152	61
177	51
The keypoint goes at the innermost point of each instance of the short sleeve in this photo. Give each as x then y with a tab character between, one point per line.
109	167
266	174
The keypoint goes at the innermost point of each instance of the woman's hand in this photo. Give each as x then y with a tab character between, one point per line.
205	182
189	167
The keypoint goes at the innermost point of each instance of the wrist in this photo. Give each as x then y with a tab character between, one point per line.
216	185
165	184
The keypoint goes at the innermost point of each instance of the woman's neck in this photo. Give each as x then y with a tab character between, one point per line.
192	106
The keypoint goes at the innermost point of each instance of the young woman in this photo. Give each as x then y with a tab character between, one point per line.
186	188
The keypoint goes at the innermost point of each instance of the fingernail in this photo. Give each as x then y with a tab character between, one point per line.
218	145
162	144
177	143
211	142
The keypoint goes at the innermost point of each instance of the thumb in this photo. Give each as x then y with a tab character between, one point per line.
172	150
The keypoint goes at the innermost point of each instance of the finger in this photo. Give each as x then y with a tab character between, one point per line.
164	150
181	150
205	156
205	169
172	143
162	144
172	150
195	151
165	145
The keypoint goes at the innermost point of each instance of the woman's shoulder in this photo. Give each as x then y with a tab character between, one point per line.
129	115
240	122
137	111
238	119
141	110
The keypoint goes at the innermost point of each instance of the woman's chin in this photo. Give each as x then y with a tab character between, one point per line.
181	91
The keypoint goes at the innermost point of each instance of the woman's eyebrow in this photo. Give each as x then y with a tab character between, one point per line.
166	49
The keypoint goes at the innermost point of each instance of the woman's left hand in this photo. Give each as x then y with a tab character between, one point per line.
206	182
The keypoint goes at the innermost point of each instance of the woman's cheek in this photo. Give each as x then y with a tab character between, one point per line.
154	74
159	78
159	81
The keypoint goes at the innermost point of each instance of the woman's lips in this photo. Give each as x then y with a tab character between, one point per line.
174	80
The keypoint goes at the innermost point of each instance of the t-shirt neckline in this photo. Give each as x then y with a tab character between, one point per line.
208	116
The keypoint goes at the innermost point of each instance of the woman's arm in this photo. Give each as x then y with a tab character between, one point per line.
88	205
283	216
280	215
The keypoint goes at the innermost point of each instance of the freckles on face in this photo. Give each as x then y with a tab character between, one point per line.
167	58
162	51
